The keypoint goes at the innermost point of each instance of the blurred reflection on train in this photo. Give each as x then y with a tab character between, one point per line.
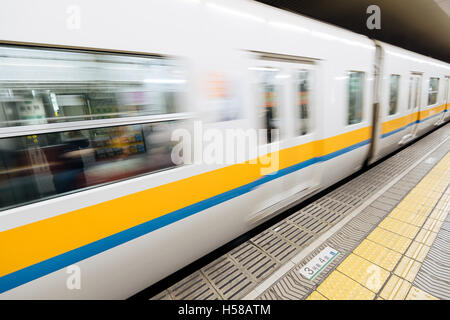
37	166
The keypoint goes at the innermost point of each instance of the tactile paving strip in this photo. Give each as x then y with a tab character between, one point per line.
281	242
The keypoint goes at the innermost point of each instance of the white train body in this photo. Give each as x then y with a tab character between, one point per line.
126	235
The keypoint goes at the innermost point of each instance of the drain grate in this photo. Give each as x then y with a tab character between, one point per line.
312	224
226	277
254	261
277	247
293	234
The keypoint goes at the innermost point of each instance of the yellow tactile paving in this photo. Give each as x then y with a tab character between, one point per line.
417	251
434	195
413	194
414	199
408	217
376	253
417	294
316	296
426	237
340	287
424	211
408	206
399	244
389	239
430	203
399	227
440	186
395	289
407	268
366	273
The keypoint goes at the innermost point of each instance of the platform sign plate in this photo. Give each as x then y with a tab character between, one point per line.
317	264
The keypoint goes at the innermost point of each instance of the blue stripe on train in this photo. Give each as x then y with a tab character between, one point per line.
410	124
45	267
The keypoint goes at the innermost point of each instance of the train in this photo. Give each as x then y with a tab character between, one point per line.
93	204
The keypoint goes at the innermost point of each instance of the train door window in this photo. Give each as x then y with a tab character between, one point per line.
270	97
304	95
433	88
355	96
393	93
414	91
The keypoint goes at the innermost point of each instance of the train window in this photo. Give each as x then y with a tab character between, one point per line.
36	167
304	101
355	96
40	86
270	99
393	95
433	90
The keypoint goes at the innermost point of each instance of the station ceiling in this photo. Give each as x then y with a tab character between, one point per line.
422	26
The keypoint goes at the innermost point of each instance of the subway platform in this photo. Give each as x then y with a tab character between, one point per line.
383	235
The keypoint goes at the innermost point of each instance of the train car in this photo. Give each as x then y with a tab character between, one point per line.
89	111
413	96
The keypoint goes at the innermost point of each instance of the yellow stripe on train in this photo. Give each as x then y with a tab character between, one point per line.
35	242
395	124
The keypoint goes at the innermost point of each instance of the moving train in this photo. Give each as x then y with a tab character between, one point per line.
93	203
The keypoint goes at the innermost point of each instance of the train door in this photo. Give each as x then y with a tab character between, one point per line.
298	131
414	101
